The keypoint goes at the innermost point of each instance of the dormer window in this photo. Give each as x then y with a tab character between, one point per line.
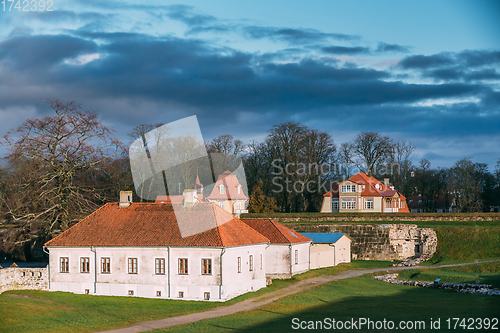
239	189
222	189
348	188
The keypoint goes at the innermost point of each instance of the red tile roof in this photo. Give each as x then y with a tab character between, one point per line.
229	180
276	232
152	224
175	198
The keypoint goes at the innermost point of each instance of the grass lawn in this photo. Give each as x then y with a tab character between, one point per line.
360	297
488	273
466	244
67	312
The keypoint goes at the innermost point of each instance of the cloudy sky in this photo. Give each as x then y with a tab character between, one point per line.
425	71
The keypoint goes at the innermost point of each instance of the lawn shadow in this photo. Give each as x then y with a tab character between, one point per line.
411	304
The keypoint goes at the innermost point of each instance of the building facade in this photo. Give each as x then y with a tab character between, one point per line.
364	194
137	250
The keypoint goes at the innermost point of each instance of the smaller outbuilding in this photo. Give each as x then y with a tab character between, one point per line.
329	249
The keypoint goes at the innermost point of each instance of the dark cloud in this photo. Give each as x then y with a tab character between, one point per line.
42	51
294	36
424	62
385	48
479	58
345	50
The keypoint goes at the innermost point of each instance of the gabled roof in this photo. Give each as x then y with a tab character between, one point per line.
325	237
230	181
151	224
276	232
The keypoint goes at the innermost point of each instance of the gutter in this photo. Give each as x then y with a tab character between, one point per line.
168	272
93	249
44	249
220	264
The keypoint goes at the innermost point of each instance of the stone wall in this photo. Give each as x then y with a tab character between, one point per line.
381	241
15	278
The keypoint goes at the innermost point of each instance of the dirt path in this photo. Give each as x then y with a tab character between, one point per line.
256	302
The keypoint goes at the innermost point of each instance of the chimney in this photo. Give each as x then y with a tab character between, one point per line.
386	181
125	198
190	197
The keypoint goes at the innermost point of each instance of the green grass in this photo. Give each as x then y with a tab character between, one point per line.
67	312
480	274
466	244
360	297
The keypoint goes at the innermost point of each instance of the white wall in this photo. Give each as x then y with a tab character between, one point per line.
146	283
278	260
342	250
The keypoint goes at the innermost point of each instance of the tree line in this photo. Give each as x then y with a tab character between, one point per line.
62	166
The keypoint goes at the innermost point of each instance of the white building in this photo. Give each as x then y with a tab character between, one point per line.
288	252
329	249
136	249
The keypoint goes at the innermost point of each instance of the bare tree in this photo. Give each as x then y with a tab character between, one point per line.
50	159
369	149
401	164
466	185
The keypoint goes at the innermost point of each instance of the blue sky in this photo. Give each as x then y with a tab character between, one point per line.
424	71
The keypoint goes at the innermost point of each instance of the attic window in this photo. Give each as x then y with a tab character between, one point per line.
222	189
294	235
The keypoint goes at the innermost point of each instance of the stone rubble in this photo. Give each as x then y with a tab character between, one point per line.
413	262
466	288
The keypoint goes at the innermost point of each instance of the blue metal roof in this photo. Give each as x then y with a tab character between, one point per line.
324	237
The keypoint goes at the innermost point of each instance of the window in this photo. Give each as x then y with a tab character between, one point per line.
105	265
296	257
206	266
221	203
261	261
85	265
160	266
369	203
132	266
335	204
87	291
158	293
239	189
402	204
183	266
239	264
206	296
181	294
64	265
349	203
131	292
250	263
348	188
222	189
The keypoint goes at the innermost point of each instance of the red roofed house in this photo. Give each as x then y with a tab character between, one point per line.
362	193
288	252
228	194
137	249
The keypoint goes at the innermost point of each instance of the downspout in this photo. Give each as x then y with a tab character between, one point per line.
44	249
291	267
92	248
220	264
168	271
